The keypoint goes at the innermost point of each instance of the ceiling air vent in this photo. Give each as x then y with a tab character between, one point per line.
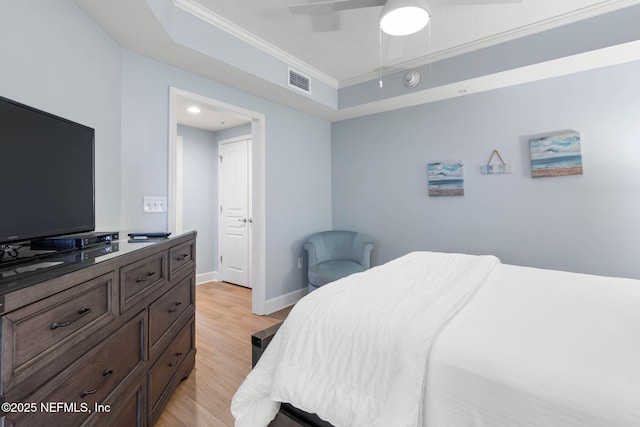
299	81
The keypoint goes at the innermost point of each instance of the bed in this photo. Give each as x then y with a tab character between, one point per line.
447	340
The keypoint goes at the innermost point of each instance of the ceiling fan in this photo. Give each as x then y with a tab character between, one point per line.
398	17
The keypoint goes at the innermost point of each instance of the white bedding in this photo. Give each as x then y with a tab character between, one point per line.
354	352
531	348
537	348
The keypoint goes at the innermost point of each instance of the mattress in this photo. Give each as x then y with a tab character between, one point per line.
538	347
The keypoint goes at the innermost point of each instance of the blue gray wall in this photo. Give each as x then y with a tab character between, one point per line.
55	58
229	133
367	174
298	157
586	223
200	193
59	60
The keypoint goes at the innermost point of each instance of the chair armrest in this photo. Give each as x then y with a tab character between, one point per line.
311	250
362	247
366	254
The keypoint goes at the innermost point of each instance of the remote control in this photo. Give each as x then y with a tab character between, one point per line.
153	235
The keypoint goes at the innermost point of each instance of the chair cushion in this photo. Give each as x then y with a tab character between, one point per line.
329	271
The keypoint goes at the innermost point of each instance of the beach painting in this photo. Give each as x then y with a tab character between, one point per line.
556	155
446	178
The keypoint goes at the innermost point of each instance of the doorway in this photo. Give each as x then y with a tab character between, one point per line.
256	184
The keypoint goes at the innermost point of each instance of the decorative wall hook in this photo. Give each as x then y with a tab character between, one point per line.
490	169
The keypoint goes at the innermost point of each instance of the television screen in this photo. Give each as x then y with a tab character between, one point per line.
47	174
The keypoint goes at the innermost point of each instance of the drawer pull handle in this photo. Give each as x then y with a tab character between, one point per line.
182	257
106	374
145	278
174	309
81	312
172	364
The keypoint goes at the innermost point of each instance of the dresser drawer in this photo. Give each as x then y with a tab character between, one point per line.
47	333
91	379
139	279
132	412
128	411
166	311
169	363
180	256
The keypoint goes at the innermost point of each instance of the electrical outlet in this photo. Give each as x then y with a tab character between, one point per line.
154	204
300	263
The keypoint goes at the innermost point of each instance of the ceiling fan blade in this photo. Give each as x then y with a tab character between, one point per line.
332	6
469	2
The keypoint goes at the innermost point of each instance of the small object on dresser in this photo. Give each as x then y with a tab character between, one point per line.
149	235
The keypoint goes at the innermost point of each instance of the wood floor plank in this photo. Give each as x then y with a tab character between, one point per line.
224	325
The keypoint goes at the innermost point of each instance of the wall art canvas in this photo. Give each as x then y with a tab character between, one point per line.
446	178
556	155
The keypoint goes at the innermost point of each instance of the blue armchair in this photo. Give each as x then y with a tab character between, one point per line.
336	254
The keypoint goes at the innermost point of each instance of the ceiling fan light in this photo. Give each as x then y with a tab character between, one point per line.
404	17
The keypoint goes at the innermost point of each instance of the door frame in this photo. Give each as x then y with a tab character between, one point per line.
257	249
249	225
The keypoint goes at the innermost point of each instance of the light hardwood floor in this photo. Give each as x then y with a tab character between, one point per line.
224	325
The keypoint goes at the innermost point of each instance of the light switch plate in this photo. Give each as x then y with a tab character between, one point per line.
152	204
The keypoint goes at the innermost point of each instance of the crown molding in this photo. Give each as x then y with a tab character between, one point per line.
603	7
523	31
597	59
207	15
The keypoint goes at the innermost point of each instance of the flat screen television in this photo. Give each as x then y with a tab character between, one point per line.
46	174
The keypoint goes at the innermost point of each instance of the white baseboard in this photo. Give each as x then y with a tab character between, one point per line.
211	276
284	301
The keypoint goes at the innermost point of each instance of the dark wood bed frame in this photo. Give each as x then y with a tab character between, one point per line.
289	416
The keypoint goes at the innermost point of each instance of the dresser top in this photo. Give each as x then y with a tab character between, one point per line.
49	265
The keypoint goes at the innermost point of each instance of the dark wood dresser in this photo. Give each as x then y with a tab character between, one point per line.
97	337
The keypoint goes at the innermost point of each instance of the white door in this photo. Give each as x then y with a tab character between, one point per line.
235	211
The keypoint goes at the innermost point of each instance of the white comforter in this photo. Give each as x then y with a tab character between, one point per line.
539	347
355	351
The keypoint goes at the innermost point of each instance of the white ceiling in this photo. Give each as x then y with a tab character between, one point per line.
352	53
347	56
208	118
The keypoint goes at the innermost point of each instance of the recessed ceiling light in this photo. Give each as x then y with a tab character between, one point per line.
194	109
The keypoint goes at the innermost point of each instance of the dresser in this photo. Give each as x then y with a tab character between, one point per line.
97	337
